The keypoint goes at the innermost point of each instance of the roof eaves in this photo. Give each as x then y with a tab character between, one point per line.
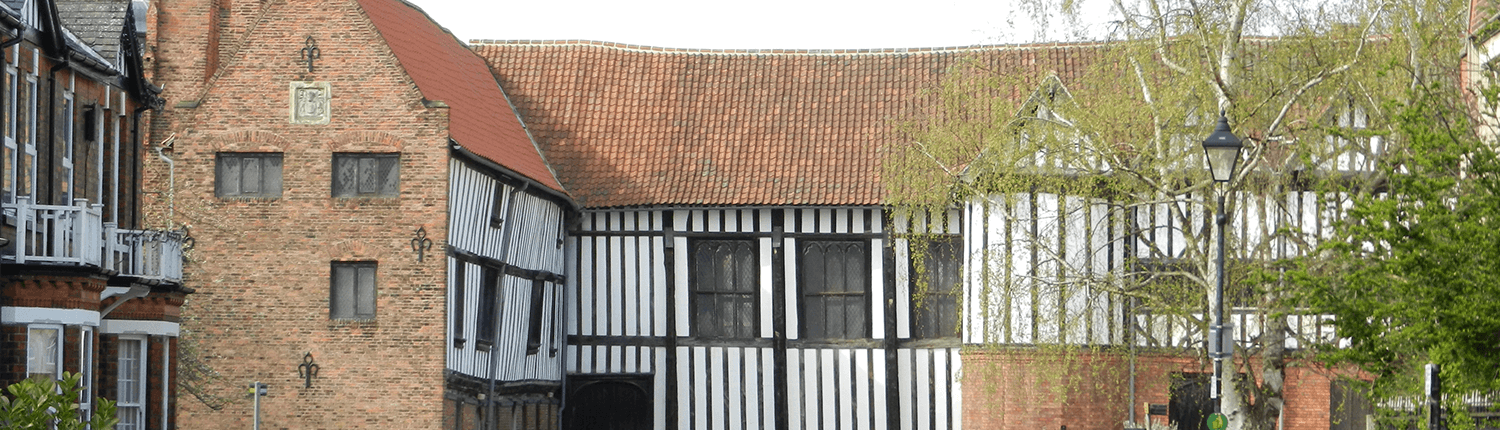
529	138
491	164
83	51
11	15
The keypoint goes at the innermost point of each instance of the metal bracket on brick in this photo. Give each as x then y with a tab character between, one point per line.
310	53
421	244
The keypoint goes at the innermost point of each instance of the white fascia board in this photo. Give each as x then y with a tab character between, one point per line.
153	328
30	315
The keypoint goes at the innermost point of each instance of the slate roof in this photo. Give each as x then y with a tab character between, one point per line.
629	125
480	118
97	23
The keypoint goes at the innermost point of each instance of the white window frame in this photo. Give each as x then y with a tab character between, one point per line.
166	363
32	367
86	367
138	406
12	92
68	144
114	141
32	91
98	139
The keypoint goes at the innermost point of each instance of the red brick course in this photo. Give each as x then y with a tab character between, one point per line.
1036	389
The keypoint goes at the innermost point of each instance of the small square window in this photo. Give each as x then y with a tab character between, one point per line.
248	175
366	175
353	291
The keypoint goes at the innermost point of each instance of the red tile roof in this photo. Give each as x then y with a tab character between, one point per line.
629	125
480	117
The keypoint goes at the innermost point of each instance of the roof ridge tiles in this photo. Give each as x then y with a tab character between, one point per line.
784	51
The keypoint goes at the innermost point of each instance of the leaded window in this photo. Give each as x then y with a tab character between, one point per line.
935	288
248	175
835	279
725	277
366	175
353	293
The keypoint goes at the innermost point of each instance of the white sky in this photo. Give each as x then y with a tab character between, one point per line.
761	24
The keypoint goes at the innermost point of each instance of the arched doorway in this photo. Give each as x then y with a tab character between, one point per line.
608	403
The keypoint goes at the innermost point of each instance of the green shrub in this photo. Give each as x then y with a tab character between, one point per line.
39	403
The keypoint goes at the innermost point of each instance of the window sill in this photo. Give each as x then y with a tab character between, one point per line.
353	322
937	342
357	202
247	200
835	343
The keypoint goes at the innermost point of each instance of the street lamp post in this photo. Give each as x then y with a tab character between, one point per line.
1222	149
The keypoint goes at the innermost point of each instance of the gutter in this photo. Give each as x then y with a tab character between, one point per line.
558	196
171	179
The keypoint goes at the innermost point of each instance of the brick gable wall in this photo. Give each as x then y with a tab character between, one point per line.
262	266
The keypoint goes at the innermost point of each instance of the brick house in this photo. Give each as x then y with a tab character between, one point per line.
712	252
351	173
88	286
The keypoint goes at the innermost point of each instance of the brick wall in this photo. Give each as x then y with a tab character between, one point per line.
12	365
261	267
65	291
1084	390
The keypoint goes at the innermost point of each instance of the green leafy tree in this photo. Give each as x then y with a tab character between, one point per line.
1416	275
1301	82
46	404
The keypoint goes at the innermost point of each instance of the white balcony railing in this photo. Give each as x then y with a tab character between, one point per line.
147	254
77	235
51	234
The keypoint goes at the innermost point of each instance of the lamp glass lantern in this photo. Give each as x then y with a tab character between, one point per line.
1223	151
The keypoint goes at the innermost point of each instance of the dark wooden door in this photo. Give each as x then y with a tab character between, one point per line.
608	404
1190	405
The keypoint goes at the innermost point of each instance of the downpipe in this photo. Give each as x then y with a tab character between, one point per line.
171	179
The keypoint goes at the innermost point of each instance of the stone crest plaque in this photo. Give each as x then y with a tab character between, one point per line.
310	102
